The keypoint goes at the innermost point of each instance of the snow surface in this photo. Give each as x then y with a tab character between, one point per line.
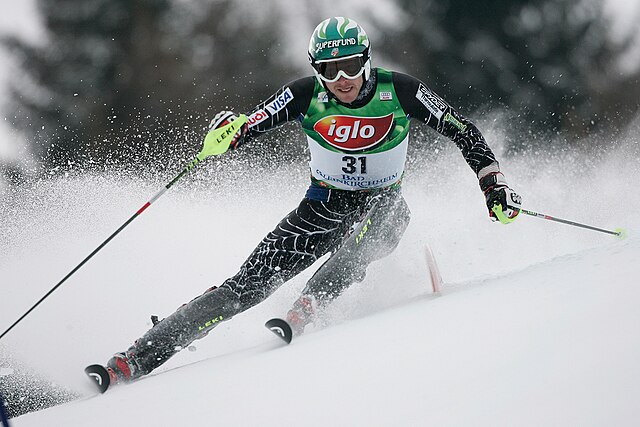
537	323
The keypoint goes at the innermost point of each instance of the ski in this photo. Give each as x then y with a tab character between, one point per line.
99	376
281	328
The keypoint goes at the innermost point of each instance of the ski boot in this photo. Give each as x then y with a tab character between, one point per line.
122	368
302	313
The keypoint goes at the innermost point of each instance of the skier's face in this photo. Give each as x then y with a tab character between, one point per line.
346	90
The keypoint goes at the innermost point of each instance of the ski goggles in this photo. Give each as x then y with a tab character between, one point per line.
350	67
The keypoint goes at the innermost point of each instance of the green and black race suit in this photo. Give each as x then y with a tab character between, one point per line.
363	145
353	209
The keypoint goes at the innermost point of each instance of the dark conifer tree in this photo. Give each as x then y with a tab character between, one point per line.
545	59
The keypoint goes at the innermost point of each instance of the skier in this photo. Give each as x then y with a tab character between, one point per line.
356	119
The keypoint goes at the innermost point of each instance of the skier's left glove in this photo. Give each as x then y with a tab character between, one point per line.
503	203
224	118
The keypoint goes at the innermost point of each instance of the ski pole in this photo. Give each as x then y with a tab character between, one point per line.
216	142
618	232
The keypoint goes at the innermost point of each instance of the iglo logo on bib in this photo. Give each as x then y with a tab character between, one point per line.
352	133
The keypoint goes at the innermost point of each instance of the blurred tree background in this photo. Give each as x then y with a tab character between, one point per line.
133	82
130	80
550	63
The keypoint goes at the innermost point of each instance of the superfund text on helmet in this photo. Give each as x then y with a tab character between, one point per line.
339	47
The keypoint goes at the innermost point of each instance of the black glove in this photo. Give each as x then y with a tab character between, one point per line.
224	118
503	203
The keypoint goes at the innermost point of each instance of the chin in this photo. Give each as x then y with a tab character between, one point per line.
345	97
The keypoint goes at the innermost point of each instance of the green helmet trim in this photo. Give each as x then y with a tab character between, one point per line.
336	38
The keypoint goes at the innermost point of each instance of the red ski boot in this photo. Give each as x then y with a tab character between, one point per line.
302	313
122	368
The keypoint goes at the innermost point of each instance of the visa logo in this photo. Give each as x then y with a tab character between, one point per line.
279	103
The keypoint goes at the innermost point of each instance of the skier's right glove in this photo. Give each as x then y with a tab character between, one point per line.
503	203
223	118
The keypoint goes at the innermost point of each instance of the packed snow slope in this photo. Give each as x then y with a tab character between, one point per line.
537	323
